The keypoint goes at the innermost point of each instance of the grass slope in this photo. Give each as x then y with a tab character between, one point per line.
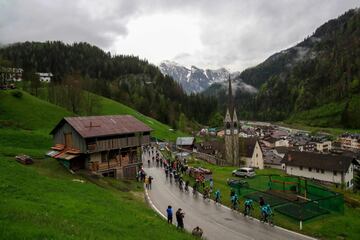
161	131
25	124
29	112
42	201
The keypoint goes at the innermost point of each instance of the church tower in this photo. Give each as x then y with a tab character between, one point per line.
231	132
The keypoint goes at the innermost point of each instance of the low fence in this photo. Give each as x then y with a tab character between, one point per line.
205	157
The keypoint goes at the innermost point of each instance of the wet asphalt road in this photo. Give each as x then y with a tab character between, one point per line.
217	222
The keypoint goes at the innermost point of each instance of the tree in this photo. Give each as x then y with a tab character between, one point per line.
182	122
34	80
216	120
74	91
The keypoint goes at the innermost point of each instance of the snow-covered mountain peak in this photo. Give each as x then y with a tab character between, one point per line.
195	79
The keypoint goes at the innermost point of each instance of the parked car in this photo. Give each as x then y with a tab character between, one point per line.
244	172
237	183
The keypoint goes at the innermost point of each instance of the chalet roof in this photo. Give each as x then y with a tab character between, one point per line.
210	147
185	141
271	158
283	150
249	145
100	126
315	160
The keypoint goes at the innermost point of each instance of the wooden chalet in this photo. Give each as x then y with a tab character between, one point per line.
107	145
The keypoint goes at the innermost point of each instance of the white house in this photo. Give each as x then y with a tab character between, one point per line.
336	169
45	77
253	155
282	143
257	158
324	146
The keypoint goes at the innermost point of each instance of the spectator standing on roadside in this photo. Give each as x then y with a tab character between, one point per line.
169	212
180	218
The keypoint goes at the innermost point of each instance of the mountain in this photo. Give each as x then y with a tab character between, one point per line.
123	78
318	78
194	80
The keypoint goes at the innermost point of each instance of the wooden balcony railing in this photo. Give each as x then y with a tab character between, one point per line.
117	143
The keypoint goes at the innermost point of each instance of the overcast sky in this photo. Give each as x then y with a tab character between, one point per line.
206	33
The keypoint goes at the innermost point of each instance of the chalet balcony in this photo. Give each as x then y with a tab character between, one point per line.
109	165
117	143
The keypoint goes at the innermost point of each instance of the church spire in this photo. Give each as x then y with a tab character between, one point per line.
230	100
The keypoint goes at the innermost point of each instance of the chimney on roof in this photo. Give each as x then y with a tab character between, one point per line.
289	157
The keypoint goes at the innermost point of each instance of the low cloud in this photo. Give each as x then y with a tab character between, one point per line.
233	34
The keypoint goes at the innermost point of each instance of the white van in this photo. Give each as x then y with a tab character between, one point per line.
244	172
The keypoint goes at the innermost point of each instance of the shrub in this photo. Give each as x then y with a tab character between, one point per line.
17	94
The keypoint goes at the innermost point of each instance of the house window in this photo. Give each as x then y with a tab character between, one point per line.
317	170
256	155
347	183
310	169
322	171
335	173
301	168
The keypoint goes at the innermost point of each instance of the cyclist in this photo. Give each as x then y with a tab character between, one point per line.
248	207
217	196
269	214
234	201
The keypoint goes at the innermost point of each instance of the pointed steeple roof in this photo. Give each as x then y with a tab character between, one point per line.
230	100
234	119
227	117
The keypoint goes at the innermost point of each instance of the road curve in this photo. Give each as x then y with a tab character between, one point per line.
218	222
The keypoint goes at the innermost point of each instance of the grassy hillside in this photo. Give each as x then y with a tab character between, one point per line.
28	112
332	114
42	201
111	107
25	123
326	115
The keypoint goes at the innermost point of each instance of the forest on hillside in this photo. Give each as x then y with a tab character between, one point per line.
321	70
127	79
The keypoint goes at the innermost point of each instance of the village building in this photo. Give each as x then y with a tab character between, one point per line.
336	169
44	77
252	153
272	159
349	142
282	143
269	142
187	143
231	126
323	146
10	75
106	145
214	148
